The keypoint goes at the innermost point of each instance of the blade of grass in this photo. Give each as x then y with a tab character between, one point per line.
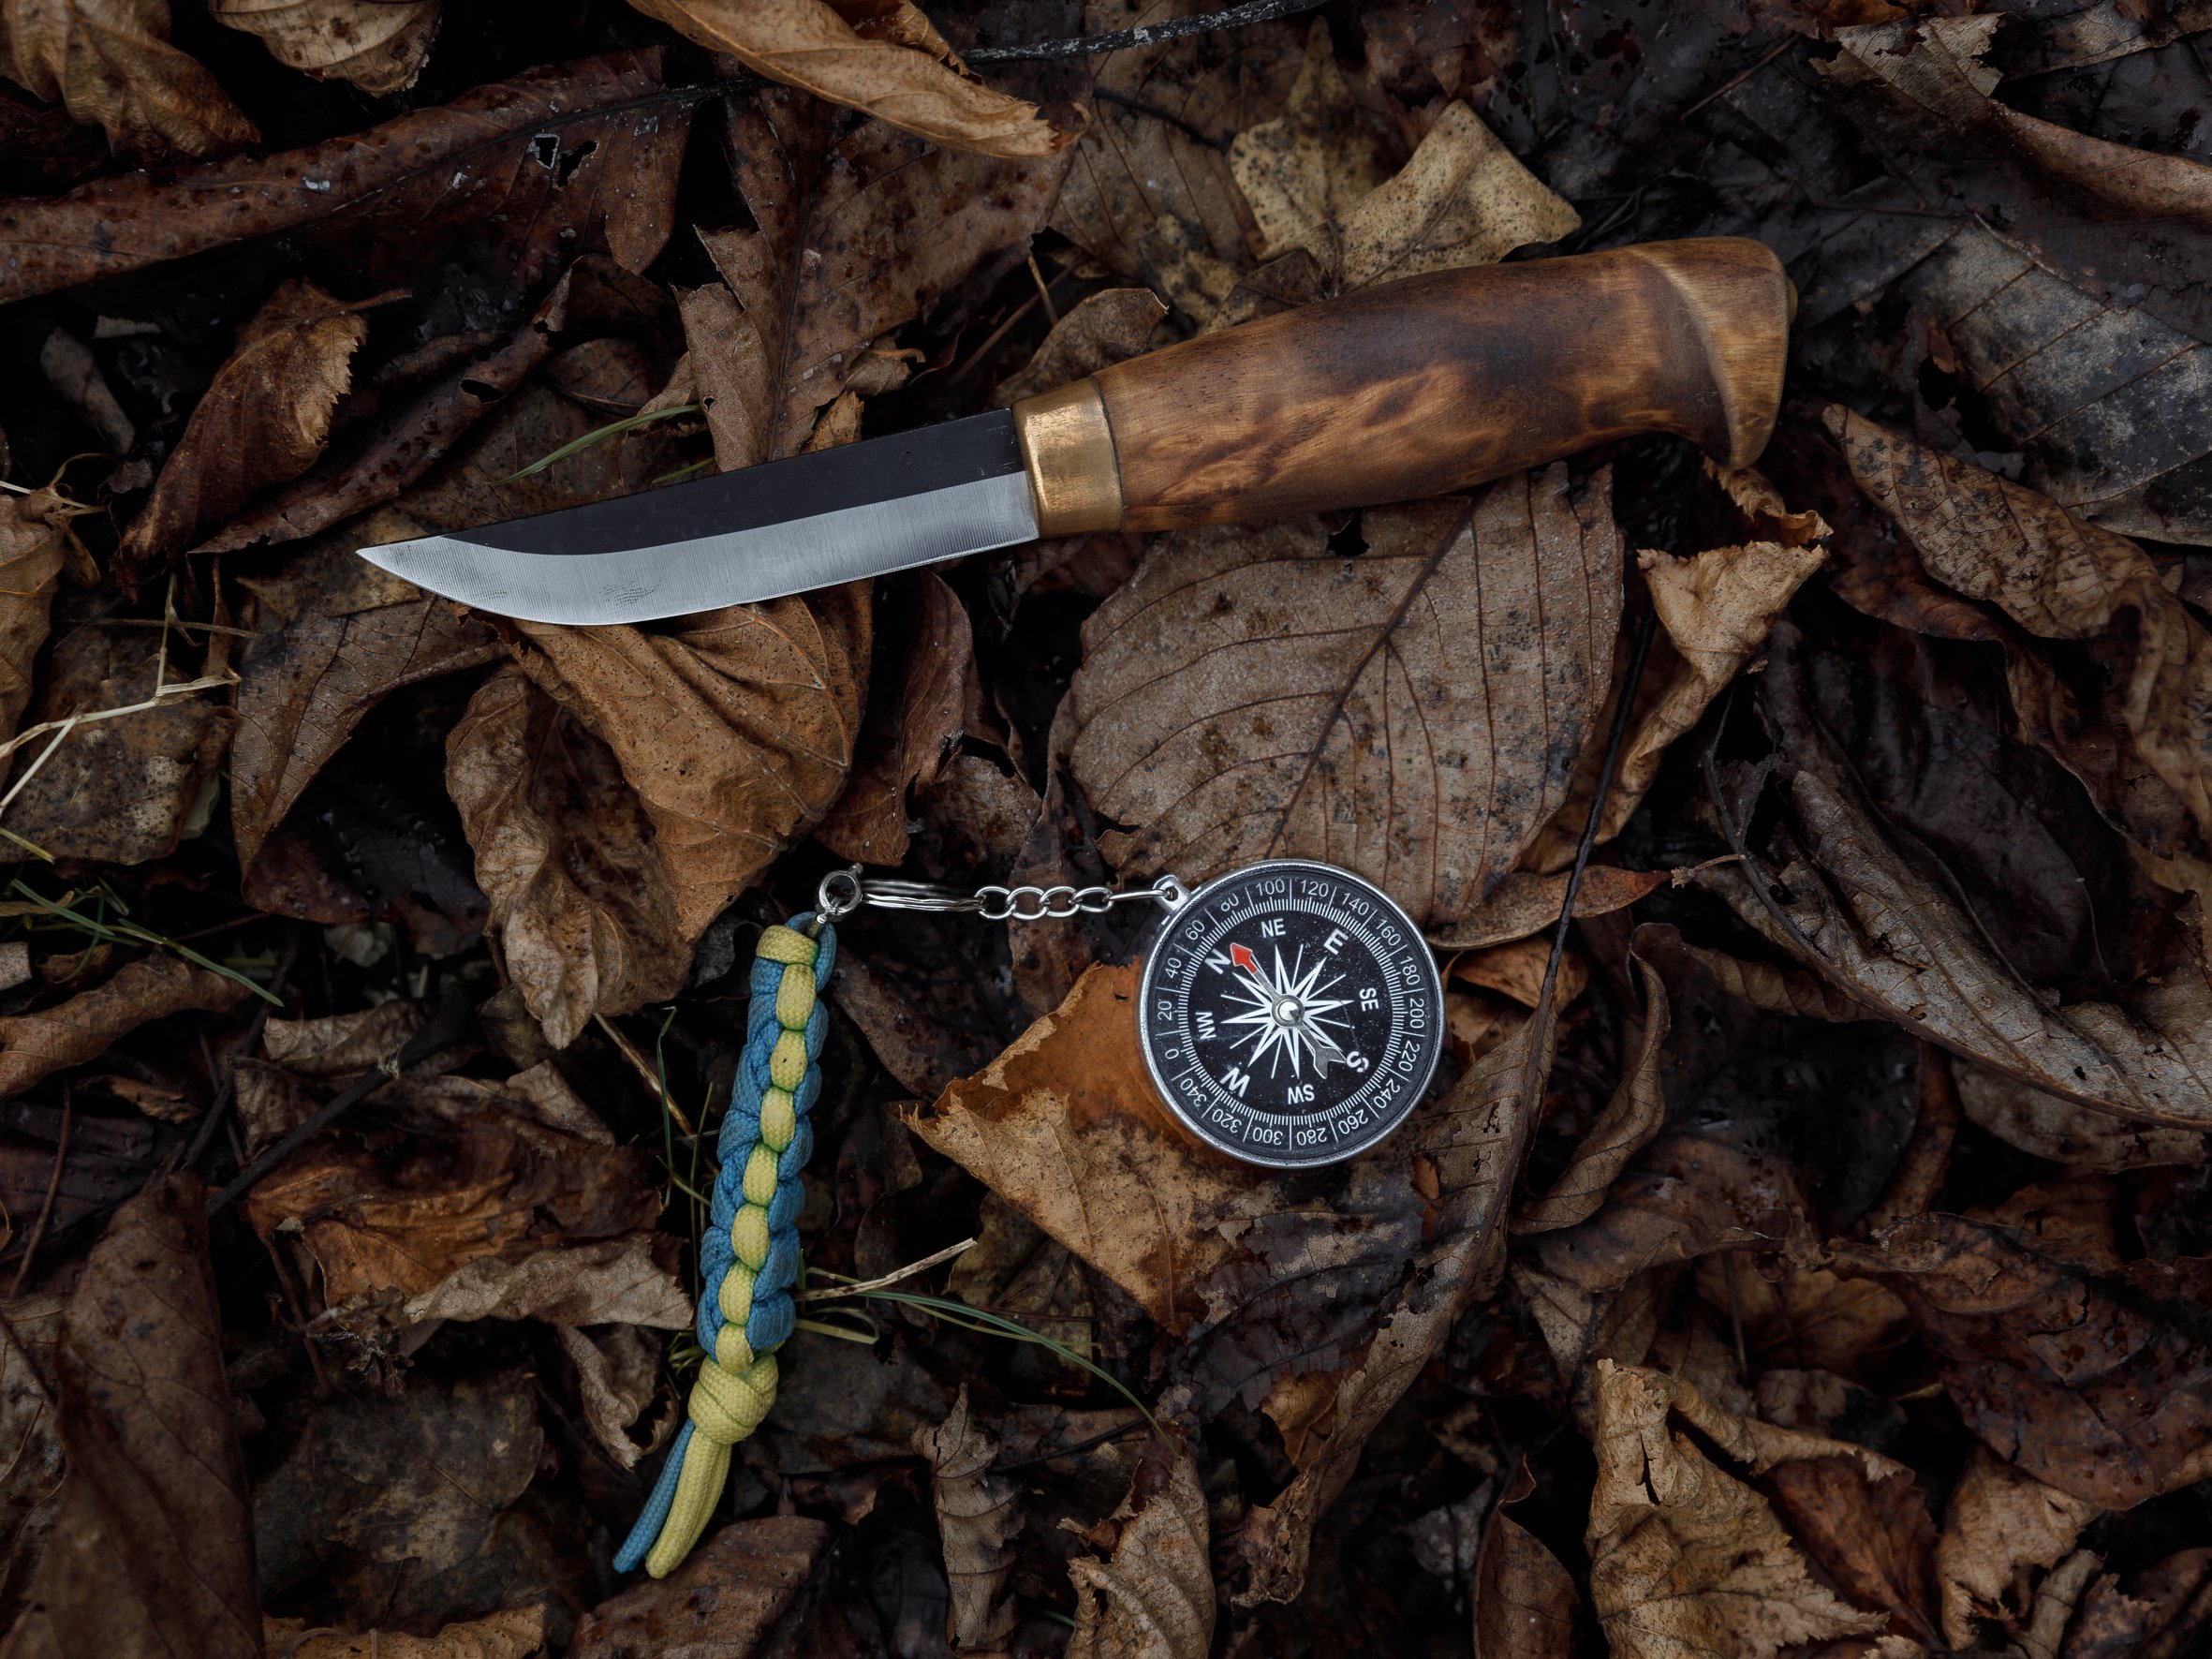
599	434
110	932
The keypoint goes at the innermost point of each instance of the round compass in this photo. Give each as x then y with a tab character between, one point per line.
1290	1013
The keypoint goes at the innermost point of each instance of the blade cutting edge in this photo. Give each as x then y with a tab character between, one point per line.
864	510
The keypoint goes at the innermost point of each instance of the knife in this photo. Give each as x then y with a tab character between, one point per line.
1409	389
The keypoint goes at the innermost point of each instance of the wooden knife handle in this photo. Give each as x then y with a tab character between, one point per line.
1420	387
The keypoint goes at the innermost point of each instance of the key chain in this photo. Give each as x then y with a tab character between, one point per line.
1288	1013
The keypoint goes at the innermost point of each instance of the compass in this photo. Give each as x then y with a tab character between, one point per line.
1290	1013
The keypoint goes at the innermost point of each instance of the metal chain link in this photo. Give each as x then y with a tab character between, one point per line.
842	891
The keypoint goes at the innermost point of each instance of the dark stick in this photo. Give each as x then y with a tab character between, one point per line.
213	1116
445	1027
53	1186
1232	17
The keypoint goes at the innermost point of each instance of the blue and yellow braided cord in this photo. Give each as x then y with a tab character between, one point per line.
748	1263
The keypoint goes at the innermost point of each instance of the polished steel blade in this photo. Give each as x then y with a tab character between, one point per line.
862	509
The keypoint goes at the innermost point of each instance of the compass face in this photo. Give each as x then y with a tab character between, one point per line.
1290	1013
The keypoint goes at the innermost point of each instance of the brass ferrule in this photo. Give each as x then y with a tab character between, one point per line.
1068	446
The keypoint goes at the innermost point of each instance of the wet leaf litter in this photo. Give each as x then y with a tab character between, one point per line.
1800	1250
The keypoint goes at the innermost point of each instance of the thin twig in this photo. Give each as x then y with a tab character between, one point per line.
1232	17
445	1027
889	1279
53	1186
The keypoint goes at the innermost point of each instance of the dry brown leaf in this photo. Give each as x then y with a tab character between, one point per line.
723	1600
1472	1141
336	635
262	421
1794	1316
735	733
1516	972
111	63
31	1483
1636	1113
1685	1556
2047	1127
1104	328
1462	200
518	1632
1153	1598
895	67
153	1551
34	531
978	1513
34	1045
1999	1522
2080	1367
617	1376
582	903
1311	163
1525	1602
1420	732
1871	1535
1523	902
927	694
2058	578
125	790
484	1210
378	45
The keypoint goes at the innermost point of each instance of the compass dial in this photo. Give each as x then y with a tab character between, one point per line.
1290	1013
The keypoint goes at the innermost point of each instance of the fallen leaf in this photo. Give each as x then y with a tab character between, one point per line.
2082	1139
1631	1118
1524	903
582	902
125	790
928	694
2161	1612
387	200
978	1513
35	1045
617	1376
262	421
1153	1597
378	45
1795	1316
1462	200
2059	1357
1516	972
1870	1534
1215	717
335	636
33	534
721	1601
1308	166
894	65
813	284
483	1210
153	1546
1685	1556
518	1632
31	1485
1525	1602
111	63
736	732
2063	266
2000	1522
2058	578
1101	329
1016	1270
418	1482
109	1159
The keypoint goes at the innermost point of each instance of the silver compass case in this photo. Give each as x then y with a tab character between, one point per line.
1291	1014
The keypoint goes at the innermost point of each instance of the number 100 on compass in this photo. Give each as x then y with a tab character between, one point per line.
1290	1013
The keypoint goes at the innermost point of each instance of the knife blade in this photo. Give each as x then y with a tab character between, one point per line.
1407	389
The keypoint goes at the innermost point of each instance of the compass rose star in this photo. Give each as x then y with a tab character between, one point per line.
1284	1011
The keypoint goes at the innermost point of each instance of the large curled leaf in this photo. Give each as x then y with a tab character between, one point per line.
1412	715
1153	1598
893	65
111	63
153	1548
378	45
